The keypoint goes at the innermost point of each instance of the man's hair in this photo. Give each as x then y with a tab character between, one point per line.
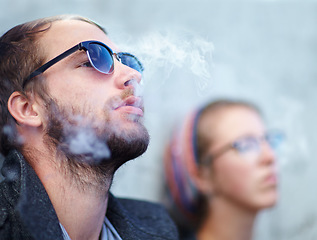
21	54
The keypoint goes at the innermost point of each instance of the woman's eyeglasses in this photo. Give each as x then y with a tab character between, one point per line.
100	57
249	146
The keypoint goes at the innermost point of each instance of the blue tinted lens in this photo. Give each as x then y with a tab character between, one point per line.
101	58
130	60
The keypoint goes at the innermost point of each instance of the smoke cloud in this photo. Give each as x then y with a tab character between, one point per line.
163	52
85	142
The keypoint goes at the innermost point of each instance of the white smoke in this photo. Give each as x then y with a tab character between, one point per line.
85	142
162	52
81	133
10	133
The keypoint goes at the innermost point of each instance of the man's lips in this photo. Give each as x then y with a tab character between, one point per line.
131	104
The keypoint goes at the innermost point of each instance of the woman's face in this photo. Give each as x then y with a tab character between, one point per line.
247	178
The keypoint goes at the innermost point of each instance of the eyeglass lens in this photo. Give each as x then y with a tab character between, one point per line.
250	146
130	61
102	59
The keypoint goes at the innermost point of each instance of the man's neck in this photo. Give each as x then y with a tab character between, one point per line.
80	201
82	219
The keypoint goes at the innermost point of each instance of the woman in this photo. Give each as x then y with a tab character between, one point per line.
220	170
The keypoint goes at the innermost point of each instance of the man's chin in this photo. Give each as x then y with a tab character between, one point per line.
135	118
128	145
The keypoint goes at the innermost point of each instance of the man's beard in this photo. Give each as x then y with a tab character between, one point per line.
92	152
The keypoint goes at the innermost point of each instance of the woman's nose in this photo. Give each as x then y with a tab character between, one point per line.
267	154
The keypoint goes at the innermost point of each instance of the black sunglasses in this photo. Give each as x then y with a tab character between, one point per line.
100	57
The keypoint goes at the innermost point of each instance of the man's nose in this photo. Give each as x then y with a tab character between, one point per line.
126	77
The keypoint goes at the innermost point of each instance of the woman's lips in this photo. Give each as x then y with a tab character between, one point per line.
271	179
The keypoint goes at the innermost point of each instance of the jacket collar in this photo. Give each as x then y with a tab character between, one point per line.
30	198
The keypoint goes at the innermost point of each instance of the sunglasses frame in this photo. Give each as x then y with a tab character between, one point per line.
80	46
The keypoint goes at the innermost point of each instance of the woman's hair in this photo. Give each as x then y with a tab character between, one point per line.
184	156
21	54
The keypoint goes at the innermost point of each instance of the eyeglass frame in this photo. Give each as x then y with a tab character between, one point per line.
234	145
80	46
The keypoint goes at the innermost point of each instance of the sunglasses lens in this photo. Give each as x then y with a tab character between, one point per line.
131	61
100	58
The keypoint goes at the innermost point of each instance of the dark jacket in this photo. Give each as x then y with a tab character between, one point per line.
26	211
190	236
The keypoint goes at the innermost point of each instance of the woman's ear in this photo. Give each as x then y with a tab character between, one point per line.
24	111
204	181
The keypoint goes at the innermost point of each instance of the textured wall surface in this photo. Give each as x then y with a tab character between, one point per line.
197	50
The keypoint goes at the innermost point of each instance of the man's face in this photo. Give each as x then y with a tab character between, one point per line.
86	102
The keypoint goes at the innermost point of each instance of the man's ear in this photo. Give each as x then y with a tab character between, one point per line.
23	110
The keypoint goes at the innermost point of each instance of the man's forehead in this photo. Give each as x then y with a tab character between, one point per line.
64	34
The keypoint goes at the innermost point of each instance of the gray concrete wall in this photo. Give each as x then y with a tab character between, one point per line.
194	51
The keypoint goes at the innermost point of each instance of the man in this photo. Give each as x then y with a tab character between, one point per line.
70	118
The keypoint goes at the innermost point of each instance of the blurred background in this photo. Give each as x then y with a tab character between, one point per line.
264	51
